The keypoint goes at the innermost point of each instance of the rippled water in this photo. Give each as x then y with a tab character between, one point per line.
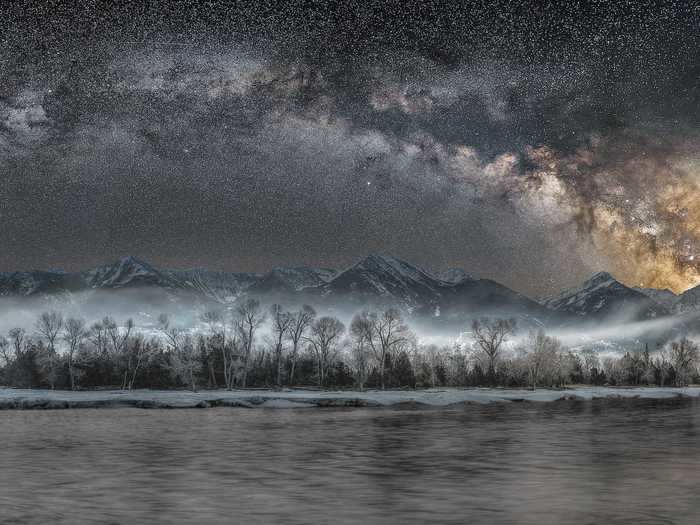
568	462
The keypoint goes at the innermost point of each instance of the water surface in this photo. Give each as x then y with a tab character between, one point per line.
633	461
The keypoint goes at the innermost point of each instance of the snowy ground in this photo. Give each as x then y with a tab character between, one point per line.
27	399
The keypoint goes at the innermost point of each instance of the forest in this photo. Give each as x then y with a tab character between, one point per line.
258	347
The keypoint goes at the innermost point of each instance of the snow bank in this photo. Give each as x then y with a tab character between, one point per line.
46	399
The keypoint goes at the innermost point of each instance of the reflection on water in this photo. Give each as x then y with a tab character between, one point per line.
568	462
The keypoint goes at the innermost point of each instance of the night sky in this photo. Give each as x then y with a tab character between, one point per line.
533	143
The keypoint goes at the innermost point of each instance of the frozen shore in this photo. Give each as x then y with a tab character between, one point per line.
46	399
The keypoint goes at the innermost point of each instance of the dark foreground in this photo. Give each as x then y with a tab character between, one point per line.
601	461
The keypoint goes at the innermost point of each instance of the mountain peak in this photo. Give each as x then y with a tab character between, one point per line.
374	262
377	258
602	295
126	271
130	260
384	276
599	278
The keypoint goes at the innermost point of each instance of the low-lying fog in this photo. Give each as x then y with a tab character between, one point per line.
612	336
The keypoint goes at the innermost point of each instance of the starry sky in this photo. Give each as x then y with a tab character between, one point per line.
530	142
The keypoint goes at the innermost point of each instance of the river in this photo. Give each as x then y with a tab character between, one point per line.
584	462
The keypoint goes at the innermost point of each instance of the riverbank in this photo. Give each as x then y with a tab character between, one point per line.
11	398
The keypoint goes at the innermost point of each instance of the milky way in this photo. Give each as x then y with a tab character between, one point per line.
533	145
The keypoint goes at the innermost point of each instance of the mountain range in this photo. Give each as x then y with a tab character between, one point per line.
373	281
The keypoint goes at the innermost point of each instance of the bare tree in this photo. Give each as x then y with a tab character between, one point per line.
227	346
541	357
49	325
684	357
74	336
360	351
118	338
17	338
489	336
5	351
663	366
173	336
184	362
648	372
249	317
217	337
590	363
434	356
383	332
281	322
323	340
613	370
564	364
301	321
138	352
97	335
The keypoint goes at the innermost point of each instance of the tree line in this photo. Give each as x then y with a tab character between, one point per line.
274	347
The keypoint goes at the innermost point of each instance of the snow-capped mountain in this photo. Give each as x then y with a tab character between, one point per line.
222	287
290	280
386	277
602	296
379	280
129	272
373	281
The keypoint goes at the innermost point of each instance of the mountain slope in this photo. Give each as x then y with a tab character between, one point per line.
664	297
220	286
279	281
129	272
601	296
384	278
688	301
132	273
38	282
375	281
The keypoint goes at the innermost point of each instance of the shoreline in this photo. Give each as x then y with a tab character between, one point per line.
32	399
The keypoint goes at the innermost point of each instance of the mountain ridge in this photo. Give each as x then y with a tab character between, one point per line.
602	296
372	280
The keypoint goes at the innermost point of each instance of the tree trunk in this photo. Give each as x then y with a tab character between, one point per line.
71	372
194	386
227	372
244	379
381	370
279	369
294	364
133	376
212	374
249	347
